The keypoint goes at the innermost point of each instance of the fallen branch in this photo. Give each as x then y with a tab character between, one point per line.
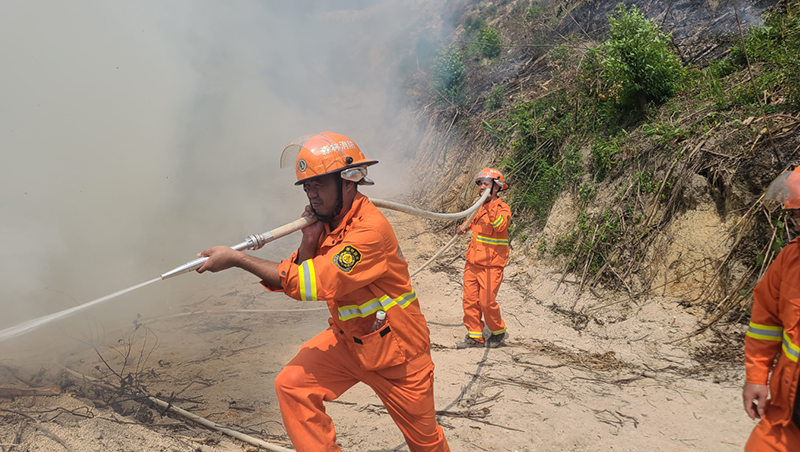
195	418
524	384
470	417
23	392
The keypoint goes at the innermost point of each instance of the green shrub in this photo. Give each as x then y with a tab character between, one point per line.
473	24
449	73
646	182
534	12
542	247
637	61
558	57
777	43
664	134
586	194
607	154
565	244
774	50
724	67
495	100
489	43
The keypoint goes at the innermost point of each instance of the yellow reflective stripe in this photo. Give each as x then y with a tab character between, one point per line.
765	332
792	351
475	334
376	304
491	241
763	338
499	332
766	327
307	280
498	221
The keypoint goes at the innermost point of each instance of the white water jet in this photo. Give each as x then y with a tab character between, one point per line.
24	327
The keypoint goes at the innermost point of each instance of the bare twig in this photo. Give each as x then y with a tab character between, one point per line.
194	418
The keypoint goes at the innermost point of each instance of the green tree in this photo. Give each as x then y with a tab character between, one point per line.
637	63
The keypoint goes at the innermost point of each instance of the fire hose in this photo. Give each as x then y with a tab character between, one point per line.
256	241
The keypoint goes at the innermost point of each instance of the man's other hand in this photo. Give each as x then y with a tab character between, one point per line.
755	399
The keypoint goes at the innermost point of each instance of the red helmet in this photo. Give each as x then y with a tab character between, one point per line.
491	174
786	189
325	153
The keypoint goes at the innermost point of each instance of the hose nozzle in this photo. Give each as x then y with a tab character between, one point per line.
252	242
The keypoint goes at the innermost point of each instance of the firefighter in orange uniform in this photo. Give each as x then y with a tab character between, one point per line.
487	256
775	330
349	258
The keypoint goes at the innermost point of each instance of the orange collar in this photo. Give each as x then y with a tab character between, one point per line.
358	202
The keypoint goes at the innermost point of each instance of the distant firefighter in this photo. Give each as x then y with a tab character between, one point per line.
775	330
487	256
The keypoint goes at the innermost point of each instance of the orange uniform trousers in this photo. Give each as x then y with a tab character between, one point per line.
480	294
324	369
769	437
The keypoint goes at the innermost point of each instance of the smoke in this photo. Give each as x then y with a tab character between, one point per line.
135	134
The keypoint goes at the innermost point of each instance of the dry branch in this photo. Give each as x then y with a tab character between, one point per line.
193	417
23	392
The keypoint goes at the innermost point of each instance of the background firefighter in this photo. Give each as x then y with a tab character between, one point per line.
775	327
351	259
486	258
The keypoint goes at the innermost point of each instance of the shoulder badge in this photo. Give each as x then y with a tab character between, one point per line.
347	258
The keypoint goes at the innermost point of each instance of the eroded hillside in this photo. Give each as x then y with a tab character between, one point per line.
659	194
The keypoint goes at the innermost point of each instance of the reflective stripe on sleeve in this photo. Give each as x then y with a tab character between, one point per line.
792	351
307	281
498	221
491	241
765	332
376	304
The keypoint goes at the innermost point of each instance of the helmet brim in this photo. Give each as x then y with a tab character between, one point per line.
339	170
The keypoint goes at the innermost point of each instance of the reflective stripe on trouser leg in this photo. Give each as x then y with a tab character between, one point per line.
489	306
770	437
471	304
409	401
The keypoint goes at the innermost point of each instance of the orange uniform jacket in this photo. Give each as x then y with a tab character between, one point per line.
775	327
489	244
359	270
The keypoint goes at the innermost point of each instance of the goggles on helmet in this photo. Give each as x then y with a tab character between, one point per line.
786	189
357	175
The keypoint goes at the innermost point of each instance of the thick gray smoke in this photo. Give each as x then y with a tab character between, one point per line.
135	134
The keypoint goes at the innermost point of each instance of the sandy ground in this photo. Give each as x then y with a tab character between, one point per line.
619	379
